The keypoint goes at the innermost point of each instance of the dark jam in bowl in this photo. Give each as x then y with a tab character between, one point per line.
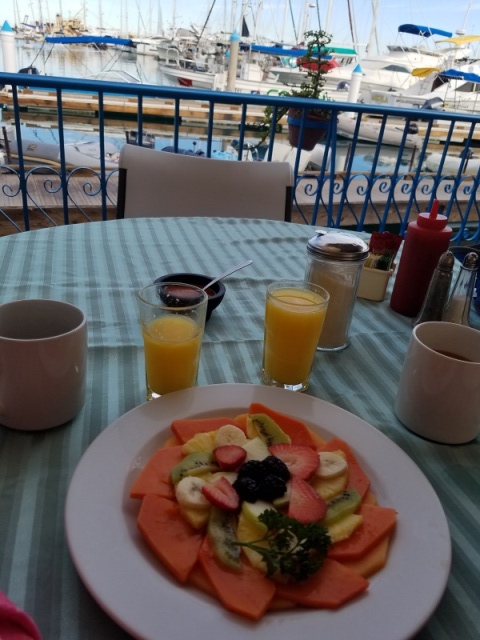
215	293
175	295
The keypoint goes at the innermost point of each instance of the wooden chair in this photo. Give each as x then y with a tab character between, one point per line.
159	183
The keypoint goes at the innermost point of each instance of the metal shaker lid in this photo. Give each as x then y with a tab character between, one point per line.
338	245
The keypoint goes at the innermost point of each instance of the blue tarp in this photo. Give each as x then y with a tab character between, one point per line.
126	42
278	51
455	74
426	32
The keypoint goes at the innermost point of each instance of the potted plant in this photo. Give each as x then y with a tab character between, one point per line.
317	121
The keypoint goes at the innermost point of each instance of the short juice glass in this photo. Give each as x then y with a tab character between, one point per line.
294	317
172	328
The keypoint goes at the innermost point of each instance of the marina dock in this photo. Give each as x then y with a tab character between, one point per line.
158	110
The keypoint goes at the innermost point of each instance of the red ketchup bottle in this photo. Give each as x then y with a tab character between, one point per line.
426	239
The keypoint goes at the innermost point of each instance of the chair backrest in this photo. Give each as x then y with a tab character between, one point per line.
159	183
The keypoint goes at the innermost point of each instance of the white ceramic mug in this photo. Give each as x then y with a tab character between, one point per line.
438	396
43	358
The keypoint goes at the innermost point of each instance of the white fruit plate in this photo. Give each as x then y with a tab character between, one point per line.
130	584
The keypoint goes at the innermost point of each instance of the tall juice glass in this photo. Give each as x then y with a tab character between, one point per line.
172	320
294	317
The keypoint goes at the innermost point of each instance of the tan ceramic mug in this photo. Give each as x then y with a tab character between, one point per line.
438	395
43	358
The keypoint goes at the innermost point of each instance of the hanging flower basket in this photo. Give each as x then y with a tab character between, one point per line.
315	129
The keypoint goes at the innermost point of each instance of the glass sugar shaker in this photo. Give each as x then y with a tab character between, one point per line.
334	261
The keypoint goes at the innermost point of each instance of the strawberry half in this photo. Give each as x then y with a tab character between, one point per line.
305	504
230	456
221	494
302	462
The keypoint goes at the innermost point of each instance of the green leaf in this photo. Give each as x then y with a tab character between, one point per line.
294	549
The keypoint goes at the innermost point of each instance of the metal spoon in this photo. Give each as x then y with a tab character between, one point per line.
226	273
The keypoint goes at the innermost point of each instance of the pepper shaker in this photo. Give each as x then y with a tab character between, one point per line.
334	261
458	305
437	295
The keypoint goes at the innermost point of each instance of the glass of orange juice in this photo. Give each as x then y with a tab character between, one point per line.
294	316
172	320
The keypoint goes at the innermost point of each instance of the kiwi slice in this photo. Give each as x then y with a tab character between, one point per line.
221	531
344	504
194	464
259	424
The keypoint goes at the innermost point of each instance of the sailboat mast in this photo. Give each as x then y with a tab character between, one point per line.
257	18
351	20
329	16
373	30
233	16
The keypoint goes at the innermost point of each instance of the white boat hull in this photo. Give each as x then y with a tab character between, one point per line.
82	154
452	164
370	132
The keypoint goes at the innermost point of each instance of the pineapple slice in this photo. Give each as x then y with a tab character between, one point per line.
343	529
200	442
256	449
198	518
329	488
248	530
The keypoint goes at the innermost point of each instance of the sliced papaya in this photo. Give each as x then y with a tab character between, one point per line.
198	579
298	431
281	604
246	592
169	536
371	562
155	476
331	587
378	522
172	441
369	498
241	419
357	478
184	429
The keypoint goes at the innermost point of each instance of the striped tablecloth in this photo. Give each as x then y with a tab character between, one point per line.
99	267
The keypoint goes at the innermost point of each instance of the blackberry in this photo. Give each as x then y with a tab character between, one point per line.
271	487
276	467
247	488
252	469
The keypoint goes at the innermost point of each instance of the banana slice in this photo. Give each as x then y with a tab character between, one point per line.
189	493
331	464
229	434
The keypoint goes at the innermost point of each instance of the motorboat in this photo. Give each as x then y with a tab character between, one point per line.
455	89
373	131
85	154
465	163
393	70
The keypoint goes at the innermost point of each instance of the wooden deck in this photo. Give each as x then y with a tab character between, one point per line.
158	110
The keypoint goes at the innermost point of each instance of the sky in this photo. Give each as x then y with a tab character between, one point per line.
279	20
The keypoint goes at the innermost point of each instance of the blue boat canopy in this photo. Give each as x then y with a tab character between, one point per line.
426	32
126	42
279	51
455	74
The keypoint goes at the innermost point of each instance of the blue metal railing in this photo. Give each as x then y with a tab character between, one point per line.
345	182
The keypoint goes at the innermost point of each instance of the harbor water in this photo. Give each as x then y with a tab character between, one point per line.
80	61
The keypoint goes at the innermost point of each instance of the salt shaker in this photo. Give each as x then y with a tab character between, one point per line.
334	261
437	295
458	305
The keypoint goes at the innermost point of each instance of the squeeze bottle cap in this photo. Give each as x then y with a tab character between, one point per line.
432	219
